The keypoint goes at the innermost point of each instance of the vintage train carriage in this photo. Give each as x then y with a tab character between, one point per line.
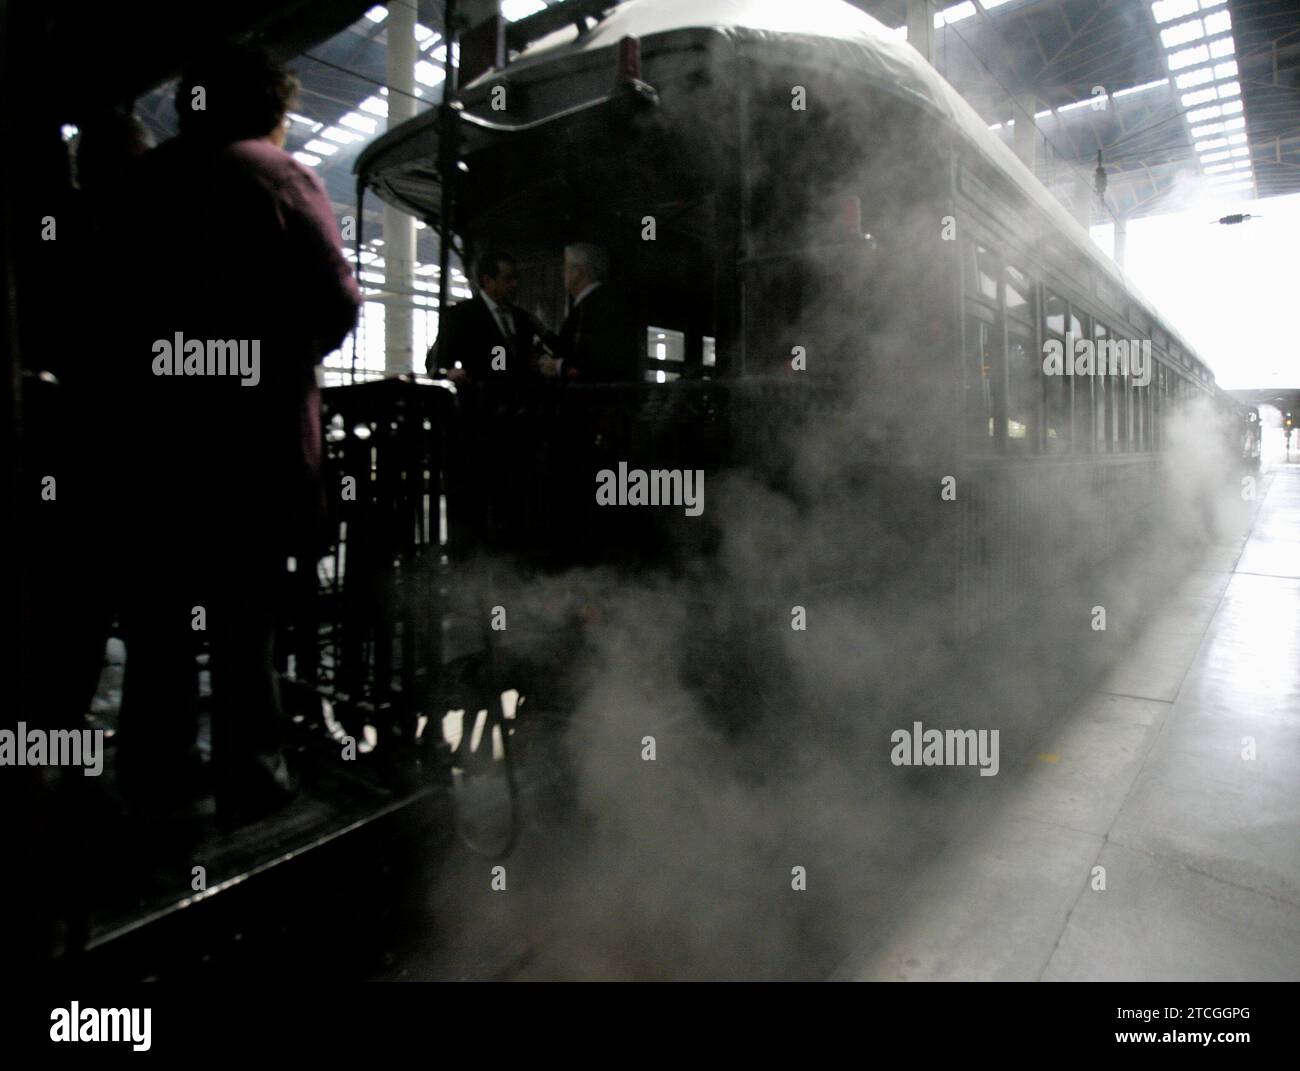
842	284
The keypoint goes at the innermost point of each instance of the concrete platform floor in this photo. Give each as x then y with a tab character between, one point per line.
1157	836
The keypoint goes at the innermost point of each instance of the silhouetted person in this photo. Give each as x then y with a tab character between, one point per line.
488	338
231	258
595	344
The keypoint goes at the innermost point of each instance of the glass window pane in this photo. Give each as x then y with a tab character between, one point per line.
1054	313
986	272
979	385
1024	384
1018	291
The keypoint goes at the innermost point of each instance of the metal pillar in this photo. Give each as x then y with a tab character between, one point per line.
920	27
1121	239
399	228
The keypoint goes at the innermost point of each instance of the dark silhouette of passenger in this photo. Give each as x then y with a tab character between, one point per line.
234	288
488	338
595	345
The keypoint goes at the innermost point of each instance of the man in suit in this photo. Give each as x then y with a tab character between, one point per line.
488	337
595	343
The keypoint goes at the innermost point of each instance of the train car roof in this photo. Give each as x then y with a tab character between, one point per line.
830	33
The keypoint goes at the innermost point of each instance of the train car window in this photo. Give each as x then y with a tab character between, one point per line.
986	273
1076	324
1019	293
709	352
980	382
1054	313
664	349
665	344
1024	389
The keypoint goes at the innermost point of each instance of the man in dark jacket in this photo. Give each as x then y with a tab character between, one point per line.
595	343
238	289
488	338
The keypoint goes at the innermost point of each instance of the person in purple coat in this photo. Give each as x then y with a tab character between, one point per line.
232	287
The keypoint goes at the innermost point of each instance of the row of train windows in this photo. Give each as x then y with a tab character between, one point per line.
1053	414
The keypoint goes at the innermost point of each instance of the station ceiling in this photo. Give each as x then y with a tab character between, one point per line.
1200	95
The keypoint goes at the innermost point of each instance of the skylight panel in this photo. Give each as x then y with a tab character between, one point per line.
1224	46
321	148
375	106
1214	157
514	10
1219	22
1206	130
306	158
1202	114
429	75
343	137
1172	36
953	14
1218	169
1193	78
1168	10
1190	100
1140	89
1213	143
377	13
1229	89
359	122
1187	56
1225	70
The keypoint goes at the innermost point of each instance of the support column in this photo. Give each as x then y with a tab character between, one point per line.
1022	136
920	27
1121	239
399	228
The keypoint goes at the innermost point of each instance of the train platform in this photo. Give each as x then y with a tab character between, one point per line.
1156	836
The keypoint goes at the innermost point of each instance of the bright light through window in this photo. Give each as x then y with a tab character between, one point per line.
514	10
1168	10
1194	78
377	13
359	122
1219	22
1187	56
1173	36
343	137
427	74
